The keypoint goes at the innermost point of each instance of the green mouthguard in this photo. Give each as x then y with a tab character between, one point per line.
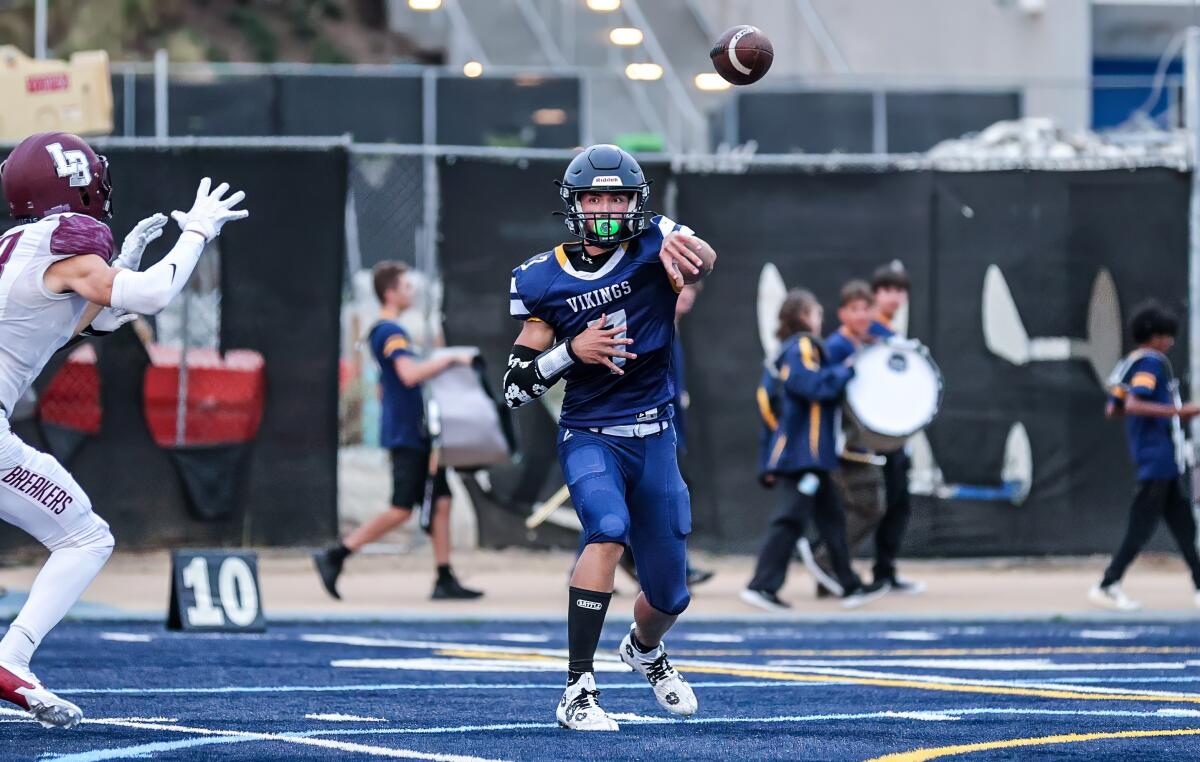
607	228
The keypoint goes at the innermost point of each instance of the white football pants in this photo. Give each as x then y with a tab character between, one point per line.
39	496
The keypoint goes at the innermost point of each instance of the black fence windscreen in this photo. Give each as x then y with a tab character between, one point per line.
280	296
1072	252
531	111
833	121
541	112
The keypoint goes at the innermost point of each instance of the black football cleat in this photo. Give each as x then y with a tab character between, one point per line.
329	570
451	590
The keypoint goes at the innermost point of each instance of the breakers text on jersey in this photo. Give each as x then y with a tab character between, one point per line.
600	296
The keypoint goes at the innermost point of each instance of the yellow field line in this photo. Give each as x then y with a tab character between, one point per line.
767	674
861	652
919	755
994	690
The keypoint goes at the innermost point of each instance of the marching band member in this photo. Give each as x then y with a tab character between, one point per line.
802	454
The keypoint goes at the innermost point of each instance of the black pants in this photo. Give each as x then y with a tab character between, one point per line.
1157	497
860	488
891	529
791	518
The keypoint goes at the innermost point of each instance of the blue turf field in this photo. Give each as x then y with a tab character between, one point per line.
767	690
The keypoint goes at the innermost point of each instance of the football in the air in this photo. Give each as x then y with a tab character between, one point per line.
743	55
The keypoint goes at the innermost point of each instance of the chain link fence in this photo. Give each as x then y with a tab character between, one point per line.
385	220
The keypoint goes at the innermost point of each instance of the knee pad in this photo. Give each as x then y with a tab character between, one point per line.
95	538
598	497
102	541
609	527
674	604
663	577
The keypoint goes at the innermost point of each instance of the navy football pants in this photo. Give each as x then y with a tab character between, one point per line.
628	490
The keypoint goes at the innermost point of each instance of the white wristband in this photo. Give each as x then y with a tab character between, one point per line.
554	361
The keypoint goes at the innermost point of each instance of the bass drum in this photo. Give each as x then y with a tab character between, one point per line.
896	392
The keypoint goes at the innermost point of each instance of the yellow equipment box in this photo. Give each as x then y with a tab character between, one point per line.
44	96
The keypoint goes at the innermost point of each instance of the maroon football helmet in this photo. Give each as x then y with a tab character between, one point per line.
54	172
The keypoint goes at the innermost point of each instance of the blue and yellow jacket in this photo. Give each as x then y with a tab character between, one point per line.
770	408
799	432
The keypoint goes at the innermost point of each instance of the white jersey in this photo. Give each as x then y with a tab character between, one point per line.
34	322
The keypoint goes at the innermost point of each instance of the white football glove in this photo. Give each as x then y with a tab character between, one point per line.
210	212
138	239
110	319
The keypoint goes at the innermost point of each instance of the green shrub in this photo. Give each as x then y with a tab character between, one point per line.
259	36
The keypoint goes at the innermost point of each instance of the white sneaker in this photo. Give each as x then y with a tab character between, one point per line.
19	686
904	586
1112	597
763	599
580	709
804	548
672	691
864	594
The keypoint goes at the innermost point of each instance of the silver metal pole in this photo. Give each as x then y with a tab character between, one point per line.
679	94
537	25
879	136
460	22
130	104
39	29
821	34
160	94
1191	89
586	91
427	241
568	32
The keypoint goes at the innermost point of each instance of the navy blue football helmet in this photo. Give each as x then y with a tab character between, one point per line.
605	169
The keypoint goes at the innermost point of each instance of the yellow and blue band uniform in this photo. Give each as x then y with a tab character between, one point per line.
812	387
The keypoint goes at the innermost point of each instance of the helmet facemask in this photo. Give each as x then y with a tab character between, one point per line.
604	230
105	189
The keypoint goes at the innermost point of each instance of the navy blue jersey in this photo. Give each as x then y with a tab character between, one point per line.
881	329
402	407
633	290
839	346
1147	374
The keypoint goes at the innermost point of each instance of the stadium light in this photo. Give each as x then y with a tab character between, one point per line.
424	5
644	71
549	117
472	69
603	6
710	81
626	35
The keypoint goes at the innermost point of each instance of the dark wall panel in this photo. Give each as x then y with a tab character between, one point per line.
806	122
371	109
918	121
501	112
819	231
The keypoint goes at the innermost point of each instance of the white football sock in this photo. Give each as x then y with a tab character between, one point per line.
59	584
